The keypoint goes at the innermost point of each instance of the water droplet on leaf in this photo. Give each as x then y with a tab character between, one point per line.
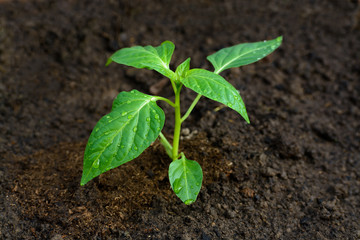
135	129
157	116
189	201
148	119
96	164
177	186
123	114
130	116
177	189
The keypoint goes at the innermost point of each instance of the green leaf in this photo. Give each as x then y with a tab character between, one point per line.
185	177
122	135
149	57
242	54
182	69
215	87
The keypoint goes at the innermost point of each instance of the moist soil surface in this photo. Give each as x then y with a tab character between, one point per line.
293	173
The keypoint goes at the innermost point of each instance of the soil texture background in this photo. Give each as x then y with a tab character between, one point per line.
293	173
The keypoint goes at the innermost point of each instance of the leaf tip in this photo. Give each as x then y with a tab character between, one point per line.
84	179
83	182
168	42
108	62
279	39
245	116
189	201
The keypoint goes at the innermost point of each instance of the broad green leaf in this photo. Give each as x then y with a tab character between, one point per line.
242	54
215	87
149	57
122	135
182	69
185	177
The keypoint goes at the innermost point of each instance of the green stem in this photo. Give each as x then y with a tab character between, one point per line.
166	145
191	107
164	140
173	84
166	100
176	140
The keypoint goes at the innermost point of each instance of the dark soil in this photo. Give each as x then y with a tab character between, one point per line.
293	173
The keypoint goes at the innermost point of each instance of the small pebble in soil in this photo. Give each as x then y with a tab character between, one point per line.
213	212
230	214
57	237
269	172
150	173
204	236
185	131
188	220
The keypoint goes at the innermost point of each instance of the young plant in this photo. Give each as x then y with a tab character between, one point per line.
136	121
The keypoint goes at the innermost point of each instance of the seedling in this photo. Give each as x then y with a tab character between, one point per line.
136	121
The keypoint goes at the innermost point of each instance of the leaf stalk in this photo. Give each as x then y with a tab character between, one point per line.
165	100
166	144
193	104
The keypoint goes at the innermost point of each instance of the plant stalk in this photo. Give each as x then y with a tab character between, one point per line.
166	144
177	128
191	107
165	100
